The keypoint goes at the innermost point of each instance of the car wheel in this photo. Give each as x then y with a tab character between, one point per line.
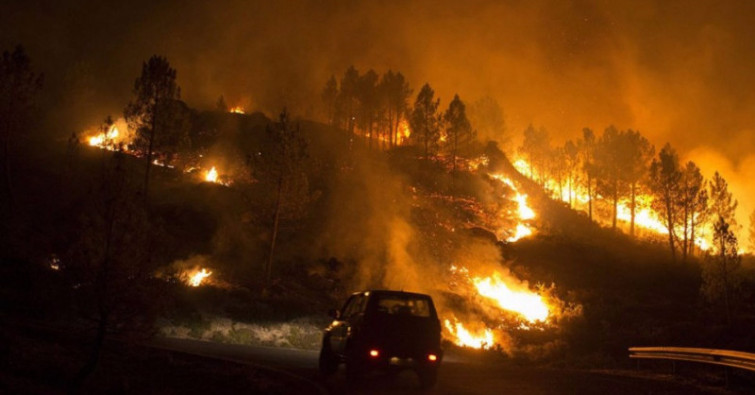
428	377
328	362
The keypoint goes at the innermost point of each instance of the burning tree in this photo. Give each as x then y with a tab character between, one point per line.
396	92
156	114
18	85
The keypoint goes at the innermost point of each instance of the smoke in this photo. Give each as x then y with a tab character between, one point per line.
739	175
676	70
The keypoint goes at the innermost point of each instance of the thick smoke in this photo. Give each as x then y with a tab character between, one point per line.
678	71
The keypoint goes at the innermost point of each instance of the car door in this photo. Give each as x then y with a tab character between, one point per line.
349	317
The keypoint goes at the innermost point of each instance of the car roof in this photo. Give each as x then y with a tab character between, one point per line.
392	293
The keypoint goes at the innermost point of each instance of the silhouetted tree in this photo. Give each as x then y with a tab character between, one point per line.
396	93
721	269
221	105
458	130
694	205
110	261
281	169
722	203
425	121
609	168
634	162
329	96
571	166
347	98
367	96
664	184
587	157
536	149
18	86
153	110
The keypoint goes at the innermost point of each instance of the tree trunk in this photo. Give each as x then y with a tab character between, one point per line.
274	235
670	225
615	204
150	148
589	196
633	207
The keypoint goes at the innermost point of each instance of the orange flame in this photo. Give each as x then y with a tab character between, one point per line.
524	302
211	175
463	337
198	277
237	110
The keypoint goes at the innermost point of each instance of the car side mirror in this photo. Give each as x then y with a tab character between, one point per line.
335	314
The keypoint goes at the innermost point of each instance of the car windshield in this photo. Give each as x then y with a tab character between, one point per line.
404	305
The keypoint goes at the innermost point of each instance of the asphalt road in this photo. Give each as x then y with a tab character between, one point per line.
457	375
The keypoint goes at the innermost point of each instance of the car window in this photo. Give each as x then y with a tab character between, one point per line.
414	306
354	306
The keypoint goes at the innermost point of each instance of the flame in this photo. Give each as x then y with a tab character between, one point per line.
211	175
495	292
198	277
463	337
521	232
403	132
645	217
524	211
526	303
237	110
117	137
105	140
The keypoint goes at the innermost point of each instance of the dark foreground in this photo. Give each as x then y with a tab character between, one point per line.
458	375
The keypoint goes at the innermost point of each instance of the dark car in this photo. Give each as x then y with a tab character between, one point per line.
384	330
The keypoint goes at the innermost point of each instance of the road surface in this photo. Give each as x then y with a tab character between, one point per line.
457	375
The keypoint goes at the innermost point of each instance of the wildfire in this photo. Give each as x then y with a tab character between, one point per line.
237	110
117	137
481	339
211	175
403	132
197	276
524	211
644	217
526	303
495	292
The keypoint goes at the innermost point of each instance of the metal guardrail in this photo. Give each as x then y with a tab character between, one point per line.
735	359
